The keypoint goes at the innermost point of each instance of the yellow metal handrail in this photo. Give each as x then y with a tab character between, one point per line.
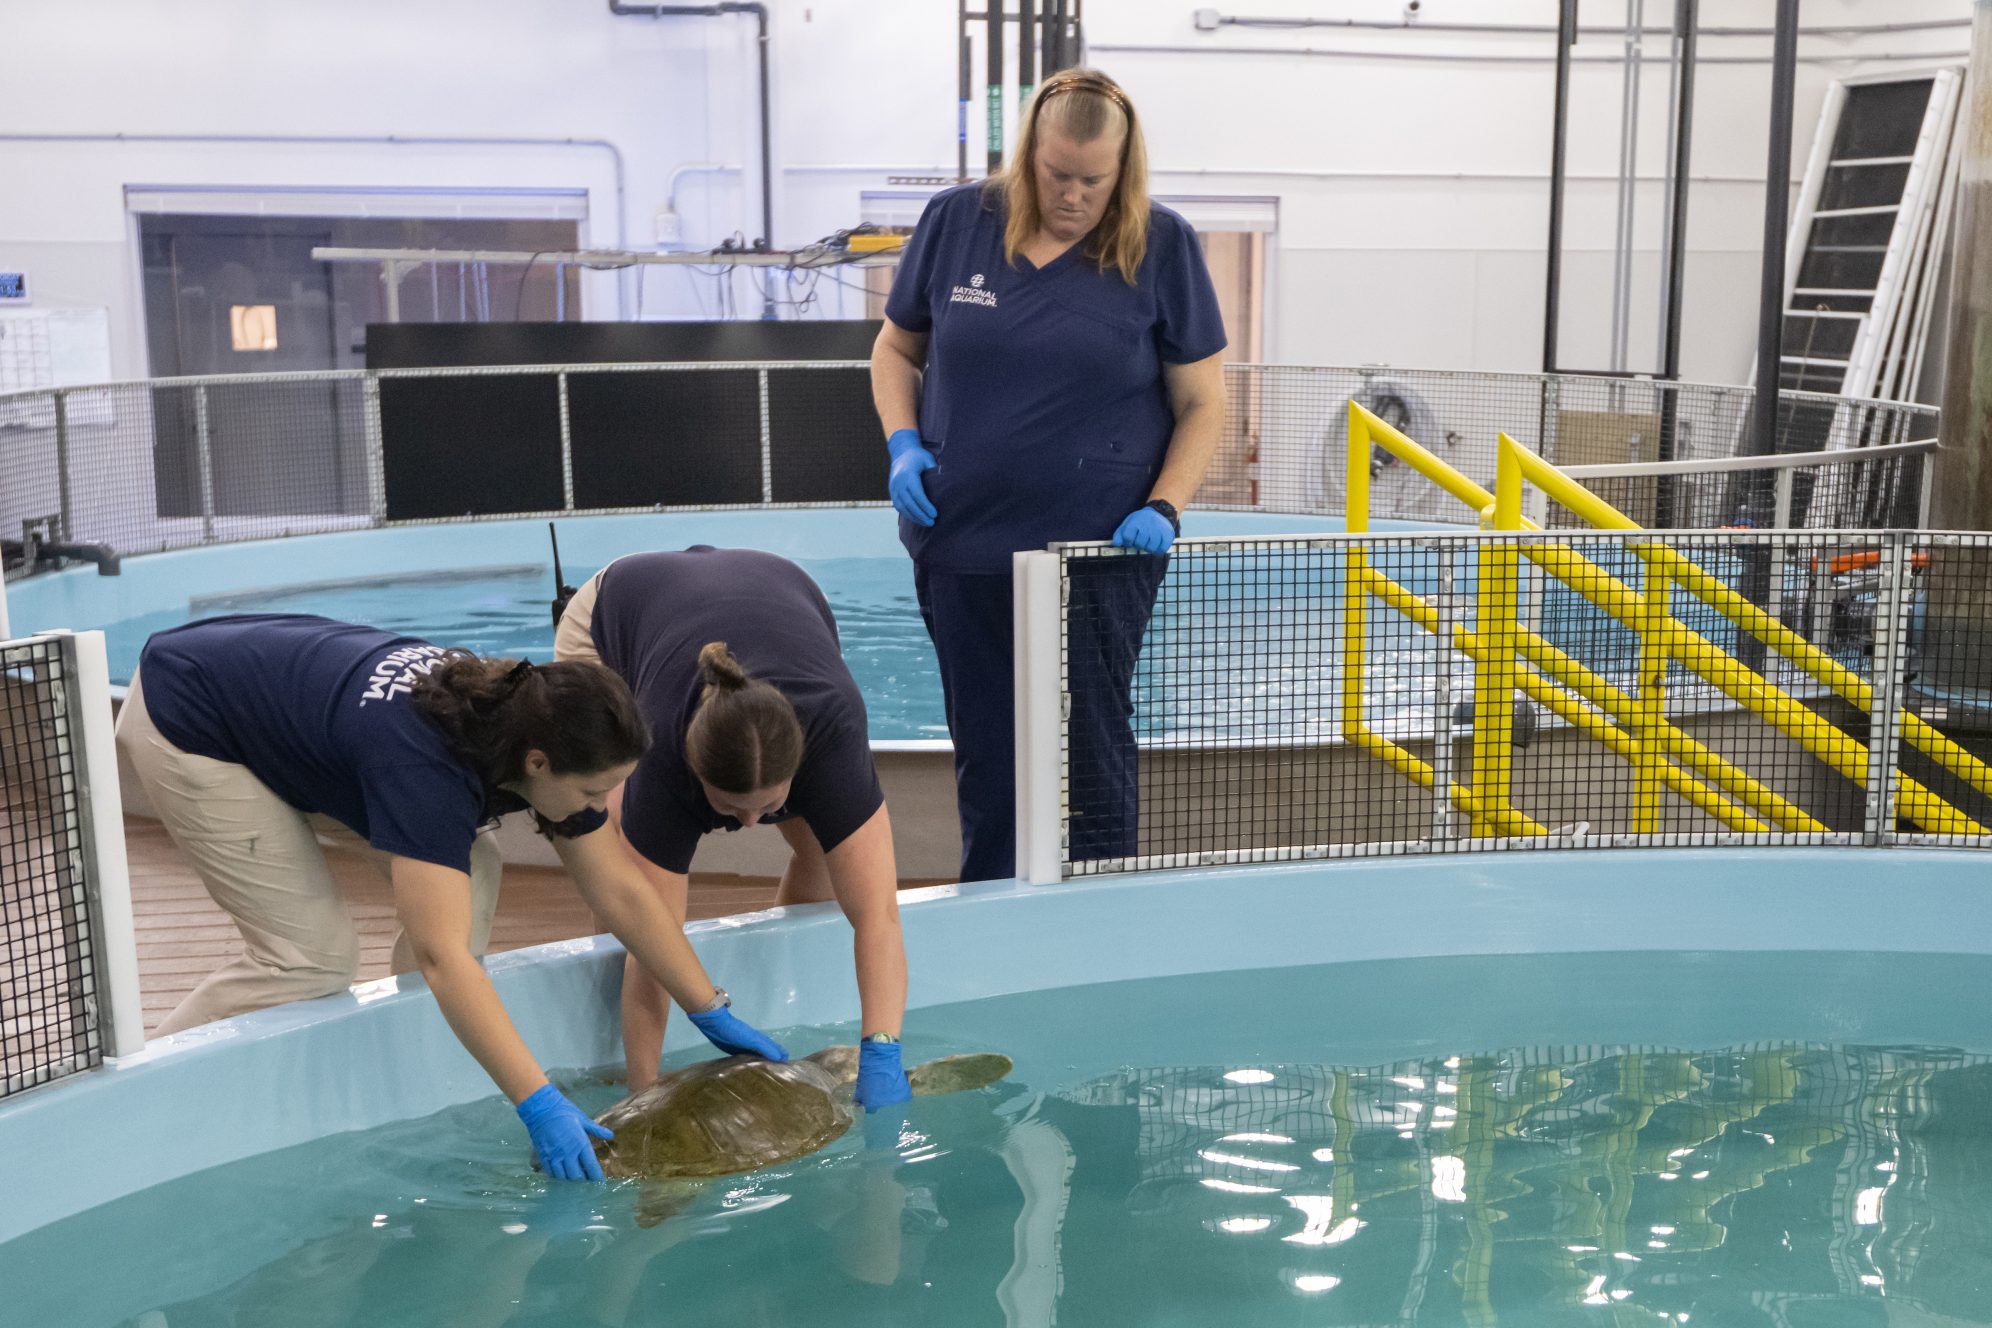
1670	638
1509	656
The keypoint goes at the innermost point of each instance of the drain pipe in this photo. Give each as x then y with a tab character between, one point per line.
760	13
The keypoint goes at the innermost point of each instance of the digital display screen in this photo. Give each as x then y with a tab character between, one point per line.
13	285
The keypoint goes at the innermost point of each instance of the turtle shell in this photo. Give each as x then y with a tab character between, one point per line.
718	1117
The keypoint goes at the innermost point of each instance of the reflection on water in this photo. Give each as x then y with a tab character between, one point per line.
1769	1184
1736	1186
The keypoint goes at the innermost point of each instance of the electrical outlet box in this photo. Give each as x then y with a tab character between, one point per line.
670	229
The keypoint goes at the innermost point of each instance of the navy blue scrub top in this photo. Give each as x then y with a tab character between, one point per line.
1043	401
320	712
654	612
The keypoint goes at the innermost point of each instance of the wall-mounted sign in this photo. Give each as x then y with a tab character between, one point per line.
14	287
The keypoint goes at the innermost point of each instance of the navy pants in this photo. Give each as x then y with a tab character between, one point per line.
969	618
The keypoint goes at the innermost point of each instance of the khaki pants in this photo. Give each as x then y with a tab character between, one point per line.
575	638
262	861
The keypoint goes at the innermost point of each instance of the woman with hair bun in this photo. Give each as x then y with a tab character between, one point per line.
734	659
254	736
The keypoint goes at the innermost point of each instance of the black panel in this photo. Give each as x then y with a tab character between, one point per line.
824	433
682	438
451	345
471	446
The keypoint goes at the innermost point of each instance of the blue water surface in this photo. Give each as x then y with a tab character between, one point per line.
1472	1140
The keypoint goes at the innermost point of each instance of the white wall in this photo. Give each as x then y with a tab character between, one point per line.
1412	194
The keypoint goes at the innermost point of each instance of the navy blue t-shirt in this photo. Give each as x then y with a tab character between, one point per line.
1044	401
320	712
654	612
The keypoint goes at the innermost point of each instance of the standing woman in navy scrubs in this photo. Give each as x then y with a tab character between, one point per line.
255	735
1048	370
734	660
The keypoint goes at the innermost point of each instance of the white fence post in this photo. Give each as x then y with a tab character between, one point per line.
1040	708
87	704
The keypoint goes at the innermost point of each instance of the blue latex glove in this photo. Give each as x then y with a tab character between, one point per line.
910	459
881	1077
735	1036
560	1133
1145	529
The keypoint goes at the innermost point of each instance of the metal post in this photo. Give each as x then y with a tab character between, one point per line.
1890	665
392	271
66	528
106	872
964	87
1686	20
1442	705
767	444
1027	35
1566	37
1038	625
1781	519
994	90
1750	494
204	455
1777	220
376	455
567	447
1635	24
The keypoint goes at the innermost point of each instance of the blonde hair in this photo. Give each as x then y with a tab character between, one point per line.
1082	105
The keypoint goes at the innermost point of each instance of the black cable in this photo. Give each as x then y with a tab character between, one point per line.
520	303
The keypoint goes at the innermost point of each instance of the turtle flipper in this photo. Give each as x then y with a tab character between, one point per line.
840	1063
657	1200
957	1074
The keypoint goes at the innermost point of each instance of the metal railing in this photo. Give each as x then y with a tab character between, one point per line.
1674	706
68	963
1300	698
173	463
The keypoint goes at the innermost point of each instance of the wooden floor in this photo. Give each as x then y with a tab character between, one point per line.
183	935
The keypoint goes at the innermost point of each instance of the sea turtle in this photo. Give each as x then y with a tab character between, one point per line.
741	1113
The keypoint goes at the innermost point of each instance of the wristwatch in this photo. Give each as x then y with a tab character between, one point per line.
1168	512
720	1001
880	1037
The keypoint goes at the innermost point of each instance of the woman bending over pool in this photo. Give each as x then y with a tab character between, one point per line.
255	735
733	656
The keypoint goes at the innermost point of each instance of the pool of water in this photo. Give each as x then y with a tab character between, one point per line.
504	611
1434	1141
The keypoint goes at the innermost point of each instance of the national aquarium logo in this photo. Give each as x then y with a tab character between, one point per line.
973	293
397	671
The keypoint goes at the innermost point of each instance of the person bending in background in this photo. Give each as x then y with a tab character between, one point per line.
734	658
1048	370
254	735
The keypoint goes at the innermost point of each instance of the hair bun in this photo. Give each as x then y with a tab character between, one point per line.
721	669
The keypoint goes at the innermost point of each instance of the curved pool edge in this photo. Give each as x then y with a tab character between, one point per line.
79	599
382	1052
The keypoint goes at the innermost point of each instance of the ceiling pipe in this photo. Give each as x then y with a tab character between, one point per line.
1208	20
1467	58
760	13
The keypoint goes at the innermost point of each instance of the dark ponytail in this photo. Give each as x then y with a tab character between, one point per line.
744	736
496	710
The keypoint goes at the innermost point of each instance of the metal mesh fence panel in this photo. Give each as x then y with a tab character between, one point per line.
1285	445
1877	493
142	467
1276	699
49	1014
